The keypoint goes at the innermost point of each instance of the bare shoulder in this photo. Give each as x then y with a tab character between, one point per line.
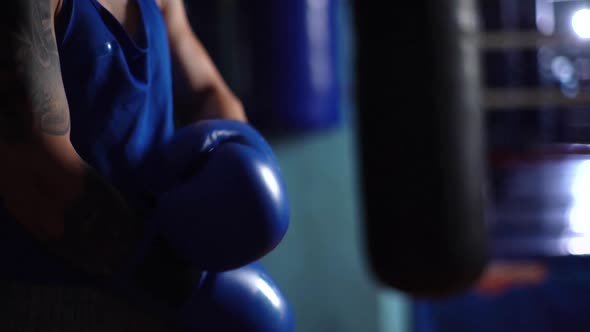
171	8
160	3
55	6
15	7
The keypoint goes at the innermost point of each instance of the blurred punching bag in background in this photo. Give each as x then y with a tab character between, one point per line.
292	55
280	57
421	143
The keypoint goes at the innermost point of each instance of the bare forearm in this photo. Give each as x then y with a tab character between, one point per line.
76	214
197	98
211	104
101	231
223	104
200	90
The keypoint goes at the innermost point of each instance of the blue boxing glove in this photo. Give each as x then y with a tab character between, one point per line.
221	199
245	299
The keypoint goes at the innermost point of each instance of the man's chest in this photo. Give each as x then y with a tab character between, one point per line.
127	12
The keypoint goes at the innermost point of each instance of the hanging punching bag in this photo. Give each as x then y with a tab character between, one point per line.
293	56
420	122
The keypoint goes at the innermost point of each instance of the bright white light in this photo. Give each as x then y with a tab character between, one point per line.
254	282
271	181
270	293
581	23
563	69
581	183
579	246
579	216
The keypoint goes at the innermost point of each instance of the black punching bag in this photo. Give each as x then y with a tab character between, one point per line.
421	144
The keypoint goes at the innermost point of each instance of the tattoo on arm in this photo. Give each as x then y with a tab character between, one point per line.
102	232
36	67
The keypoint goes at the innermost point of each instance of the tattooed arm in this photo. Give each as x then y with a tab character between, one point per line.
44	183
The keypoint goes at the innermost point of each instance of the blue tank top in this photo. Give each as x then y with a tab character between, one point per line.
119	88
119	91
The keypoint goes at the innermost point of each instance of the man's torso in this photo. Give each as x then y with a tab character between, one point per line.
119	91
125	11
119	94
